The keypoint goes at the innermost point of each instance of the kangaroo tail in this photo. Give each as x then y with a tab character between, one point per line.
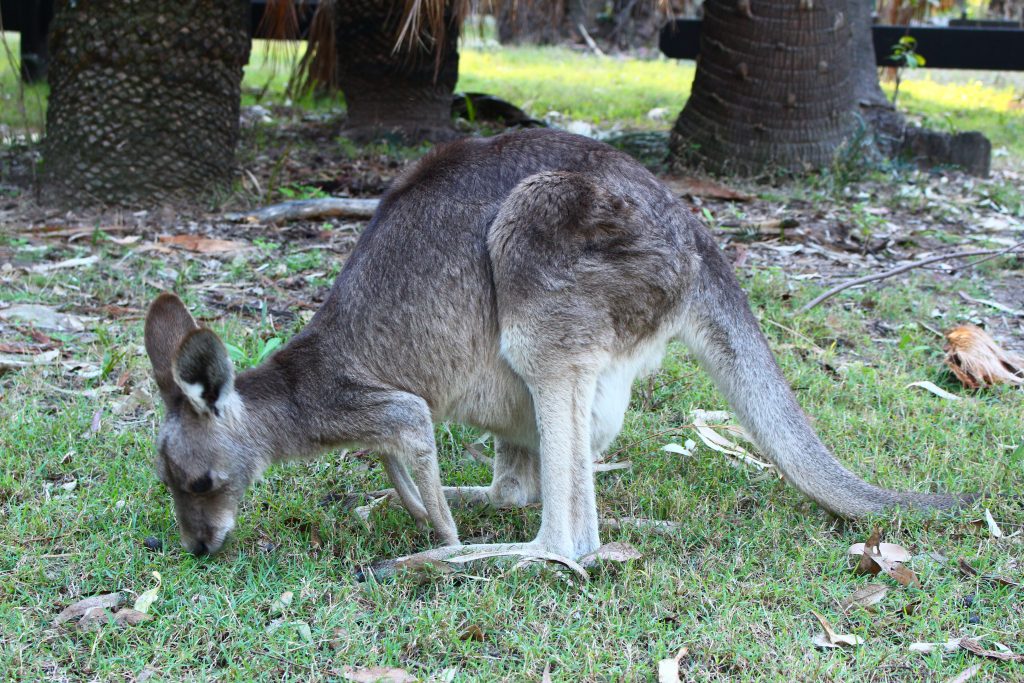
720	329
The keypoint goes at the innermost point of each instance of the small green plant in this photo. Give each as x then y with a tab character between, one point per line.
709	217
265	246
904	53
246	359
302	192
304	260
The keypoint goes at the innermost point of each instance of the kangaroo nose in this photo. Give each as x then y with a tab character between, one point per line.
199	549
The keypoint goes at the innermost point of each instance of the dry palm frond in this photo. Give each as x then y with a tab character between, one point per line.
318	66
424	23
281	21
977	361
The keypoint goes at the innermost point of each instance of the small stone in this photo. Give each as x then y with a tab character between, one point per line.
974	619
153	543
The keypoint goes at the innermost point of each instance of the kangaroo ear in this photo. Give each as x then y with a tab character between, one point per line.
203	371
167	324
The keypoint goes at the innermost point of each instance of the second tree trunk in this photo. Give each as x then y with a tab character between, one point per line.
773	88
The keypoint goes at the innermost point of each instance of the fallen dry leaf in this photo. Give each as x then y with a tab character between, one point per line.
472	632
974	647
130	617
889	552
704	420
69	263
902	575
668	669
363	512
875	556
993	528
612	466
124	241
617	551
685	449
935	389
203	245
43	317
865	596
376	674
546	676
965	568
304	631
951	645
27	349
147	598
16	362
992	304
965	675
977	361
94	618
702	187
78	609
282	602
832	639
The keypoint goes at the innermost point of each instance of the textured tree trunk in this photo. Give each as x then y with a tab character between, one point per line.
531	22
546	22
884	123
406	96
144	99
773	90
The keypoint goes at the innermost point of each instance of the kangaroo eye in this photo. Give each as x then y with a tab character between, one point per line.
201	485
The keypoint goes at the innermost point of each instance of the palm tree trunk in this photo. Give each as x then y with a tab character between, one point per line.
144	99
773	88
405	95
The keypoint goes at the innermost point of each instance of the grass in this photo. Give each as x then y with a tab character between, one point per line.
736	584
601	89
22	108
954	107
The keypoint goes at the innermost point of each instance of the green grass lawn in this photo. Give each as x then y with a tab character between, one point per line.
736	583
599	90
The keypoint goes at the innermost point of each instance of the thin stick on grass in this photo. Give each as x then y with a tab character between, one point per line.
909	266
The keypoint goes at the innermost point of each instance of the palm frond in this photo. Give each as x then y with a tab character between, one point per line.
317	69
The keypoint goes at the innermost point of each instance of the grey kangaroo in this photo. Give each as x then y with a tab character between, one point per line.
518	284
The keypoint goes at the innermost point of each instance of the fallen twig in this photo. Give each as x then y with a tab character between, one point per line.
589	41
904	268
993	304
305	209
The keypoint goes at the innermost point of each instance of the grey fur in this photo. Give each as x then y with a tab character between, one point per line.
518	284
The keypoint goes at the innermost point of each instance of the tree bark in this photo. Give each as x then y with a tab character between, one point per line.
144	99
773	88
531	22
406	95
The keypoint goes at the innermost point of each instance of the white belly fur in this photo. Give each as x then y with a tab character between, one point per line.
614	386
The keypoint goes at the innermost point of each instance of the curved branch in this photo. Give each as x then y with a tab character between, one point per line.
990	253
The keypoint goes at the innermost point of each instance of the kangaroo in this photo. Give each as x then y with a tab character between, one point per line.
518	284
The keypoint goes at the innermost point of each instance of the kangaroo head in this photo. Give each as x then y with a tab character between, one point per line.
206	455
